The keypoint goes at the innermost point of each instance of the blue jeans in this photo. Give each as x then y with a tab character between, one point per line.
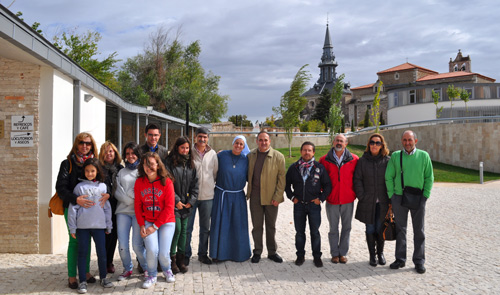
83	238
375	228
205	212
301	212
158	247
125	222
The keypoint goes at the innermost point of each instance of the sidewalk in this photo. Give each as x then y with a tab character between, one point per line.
462	256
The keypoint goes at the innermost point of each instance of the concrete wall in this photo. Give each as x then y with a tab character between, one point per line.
463	145
225	142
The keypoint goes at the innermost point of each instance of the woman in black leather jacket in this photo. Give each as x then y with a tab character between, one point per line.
70	171
180	164
371	192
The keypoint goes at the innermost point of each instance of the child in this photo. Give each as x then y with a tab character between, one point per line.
93	220
154	210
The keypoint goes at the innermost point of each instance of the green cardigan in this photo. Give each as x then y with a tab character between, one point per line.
417	172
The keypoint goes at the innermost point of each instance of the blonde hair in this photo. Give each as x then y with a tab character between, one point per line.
102	153
384	151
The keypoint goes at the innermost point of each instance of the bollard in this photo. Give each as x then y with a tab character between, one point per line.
481	173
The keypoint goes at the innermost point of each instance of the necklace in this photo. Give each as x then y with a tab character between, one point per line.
232	160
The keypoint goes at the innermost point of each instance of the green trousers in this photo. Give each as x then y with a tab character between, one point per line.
179	240
73	251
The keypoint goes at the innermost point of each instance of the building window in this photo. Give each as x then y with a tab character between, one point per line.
396	99
369	107
455	68
469	90
396	76
438	91
413	96
311	104
463	67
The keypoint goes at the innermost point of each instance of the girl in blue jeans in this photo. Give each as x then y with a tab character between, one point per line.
154	210
91	220
125	213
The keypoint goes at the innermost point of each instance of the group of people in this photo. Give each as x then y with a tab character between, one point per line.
376	180
157	194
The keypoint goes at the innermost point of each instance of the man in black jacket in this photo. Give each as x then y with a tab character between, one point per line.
152	134
311	185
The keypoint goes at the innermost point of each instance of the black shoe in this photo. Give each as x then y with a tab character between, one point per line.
186	261
397	264
204	259
300	260
318	262
255	258
381	259
420	268
275	257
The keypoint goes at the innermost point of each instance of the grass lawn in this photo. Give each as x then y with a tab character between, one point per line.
442	172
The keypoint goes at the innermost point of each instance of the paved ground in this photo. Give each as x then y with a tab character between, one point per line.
462	249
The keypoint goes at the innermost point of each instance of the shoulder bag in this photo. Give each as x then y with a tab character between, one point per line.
56	203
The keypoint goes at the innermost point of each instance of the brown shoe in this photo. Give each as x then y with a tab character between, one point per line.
335	259
343	259
173	264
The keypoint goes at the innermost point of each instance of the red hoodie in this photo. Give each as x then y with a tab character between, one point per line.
153	201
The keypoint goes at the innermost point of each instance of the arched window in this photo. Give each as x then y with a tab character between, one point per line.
455	68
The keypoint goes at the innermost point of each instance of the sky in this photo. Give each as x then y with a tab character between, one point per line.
257	46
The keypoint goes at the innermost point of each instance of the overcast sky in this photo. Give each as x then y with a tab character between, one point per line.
257	46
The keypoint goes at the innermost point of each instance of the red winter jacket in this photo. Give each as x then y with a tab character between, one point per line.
342	186
153	201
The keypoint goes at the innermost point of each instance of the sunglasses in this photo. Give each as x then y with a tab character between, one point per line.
89	143
377	143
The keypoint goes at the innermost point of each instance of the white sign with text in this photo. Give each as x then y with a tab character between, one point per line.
22	123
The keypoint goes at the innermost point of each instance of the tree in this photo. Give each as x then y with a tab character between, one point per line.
465	97
170	75
270	121
375	112
342	130
366	120
435	98
335	115
312	126
353	128
240	121
35	26
292	103
382	121
453	93
83	49
323	107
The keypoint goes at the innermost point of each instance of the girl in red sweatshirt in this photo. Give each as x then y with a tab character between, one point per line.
154	210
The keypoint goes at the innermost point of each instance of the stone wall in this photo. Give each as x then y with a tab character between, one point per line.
19	218
463	145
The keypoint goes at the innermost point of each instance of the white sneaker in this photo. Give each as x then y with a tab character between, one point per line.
169	276
150	281
82	288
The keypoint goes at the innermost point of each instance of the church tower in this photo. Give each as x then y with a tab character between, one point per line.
328	64
460	63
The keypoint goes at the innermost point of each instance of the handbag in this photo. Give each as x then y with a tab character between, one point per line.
389	229
412	196
56	203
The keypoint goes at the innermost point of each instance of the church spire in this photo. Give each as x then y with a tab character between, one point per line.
328	64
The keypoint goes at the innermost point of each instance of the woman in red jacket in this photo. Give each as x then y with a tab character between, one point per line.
154	210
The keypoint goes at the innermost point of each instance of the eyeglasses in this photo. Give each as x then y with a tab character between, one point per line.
377	143
89	143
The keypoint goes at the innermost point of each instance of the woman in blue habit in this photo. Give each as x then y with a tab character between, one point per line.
229	239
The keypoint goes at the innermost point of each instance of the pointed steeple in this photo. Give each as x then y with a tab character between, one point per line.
328	64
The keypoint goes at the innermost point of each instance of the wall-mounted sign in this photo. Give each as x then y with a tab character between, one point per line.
1	128
22	123
21	139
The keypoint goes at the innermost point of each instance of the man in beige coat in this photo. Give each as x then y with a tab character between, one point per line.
266	185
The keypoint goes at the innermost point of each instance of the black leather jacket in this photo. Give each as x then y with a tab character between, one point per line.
67	181
185	187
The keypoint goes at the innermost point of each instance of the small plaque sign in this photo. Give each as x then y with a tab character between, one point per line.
22	123
21	139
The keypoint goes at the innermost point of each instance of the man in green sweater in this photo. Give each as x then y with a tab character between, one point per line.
417	171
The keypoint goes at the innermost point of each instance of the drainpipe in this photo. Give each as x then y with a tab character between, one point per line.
77	87
119	123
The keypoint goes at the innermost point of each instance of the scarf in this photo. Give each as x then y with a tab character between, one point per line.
132	166
304	167
81	157
184	159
